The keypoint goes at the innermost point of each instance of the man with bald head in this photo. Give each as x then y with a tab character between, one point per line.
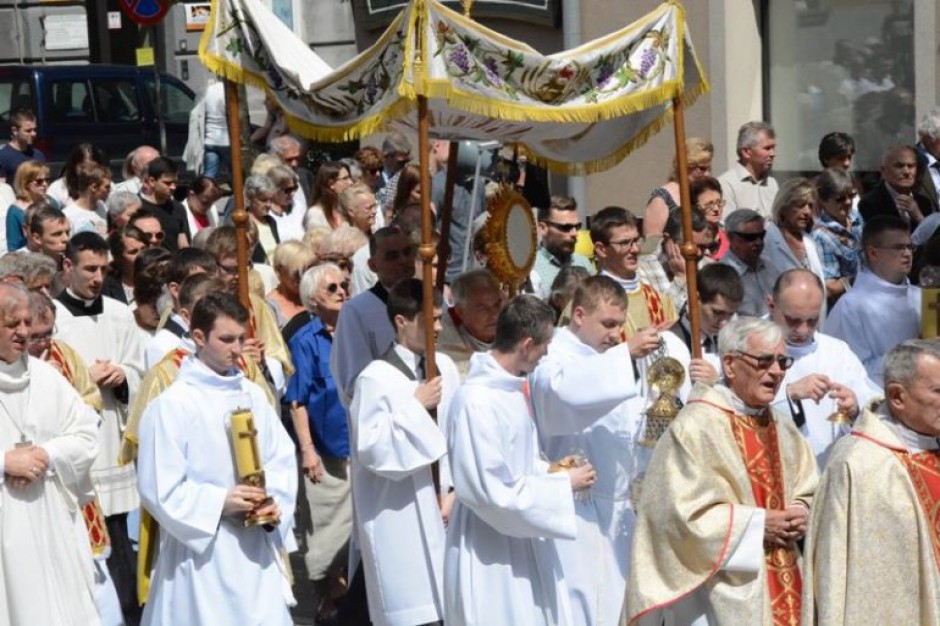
897	193
134	166
48	442
826	377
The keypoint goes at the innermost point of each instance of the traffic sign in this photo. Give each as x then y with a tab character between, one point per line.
145	12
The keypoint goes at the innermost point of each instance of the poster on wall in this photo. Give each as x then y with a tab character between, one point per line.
197	15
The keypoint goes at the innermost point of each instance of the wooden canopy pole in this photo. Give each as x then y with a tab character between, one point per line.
240	215
427	249
447	213
689	249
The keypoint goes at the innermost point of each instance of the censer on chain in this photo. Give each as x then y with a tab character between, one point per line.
665	376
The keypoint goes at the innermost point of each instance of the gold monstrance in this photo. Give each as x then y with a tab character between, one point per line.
665	375
248	468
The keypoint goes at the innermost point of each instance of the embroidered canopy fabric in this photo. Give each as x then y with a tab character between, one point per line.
577	111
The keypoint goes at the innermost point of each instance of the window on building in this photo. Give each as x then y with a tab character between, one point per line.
843	66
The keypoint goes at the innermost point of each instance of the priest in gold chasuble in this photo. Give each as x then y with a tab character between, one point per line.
873	548
726	499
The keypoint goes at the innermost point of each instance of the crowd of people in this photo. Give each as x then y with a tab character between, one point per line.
167	448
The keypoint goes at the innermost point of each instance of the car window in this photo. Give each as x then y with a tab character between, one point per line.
70	101
176	103
116	101
15	94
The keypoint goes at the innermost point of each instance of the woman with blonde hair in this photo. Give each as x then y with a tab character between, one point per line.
665	199
788	243
30	185
291	260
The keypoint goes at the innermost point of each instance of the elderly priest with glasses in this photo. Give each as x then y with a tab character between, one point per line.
726	499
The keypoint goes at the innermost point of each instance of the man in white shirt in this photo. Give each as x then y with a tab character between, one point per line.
826	379
882	308
581	407
134	166
748	184
394	441
363	332
502	564
217	151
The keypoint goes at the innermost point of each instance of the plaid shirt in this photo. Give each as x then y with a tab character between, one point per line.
839	248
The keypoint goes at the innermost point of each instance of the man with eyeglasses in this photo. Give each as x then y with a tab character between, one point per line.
363	331
745	230
826	378
558	227
727	496
882	308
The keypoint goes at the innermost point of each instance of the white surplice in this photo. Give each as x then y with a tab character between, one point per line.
582	404
212	569
393	442
502	564
363	334
165	341
46	566
112	335
873	317
833	358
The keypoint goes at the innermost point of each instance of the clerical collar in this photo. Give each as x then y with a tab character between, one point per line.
177	325
798	352
867	279
737	404
630	285
14	376
380	292
201	374
80	307
912	440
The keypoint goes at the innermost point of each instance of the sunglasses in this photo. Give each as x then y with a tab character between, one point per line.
764	361
292	189
708	248
334	287
565	228
157	236
750	236
42	181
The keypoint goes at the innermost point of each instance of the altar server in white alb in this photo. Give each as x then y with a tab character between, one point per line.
211	567
502	566
827	385
363	332
882	309
580	394
393	443
105	334
48	443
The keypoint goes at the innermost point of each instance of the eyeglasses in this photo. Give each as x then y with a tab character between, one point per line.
289	190
43	338
334	287
708	248
751	237
764	361
627	243
898	247
149	237
714	205
845	197
565	228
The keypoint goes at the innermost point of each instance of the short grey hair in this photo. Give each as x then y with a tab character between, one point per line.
12	296
900	364
739	217
37	265
471	281
120	201
310	281
749	132
734	336
353	167
256	185
280	174
279	145
929	126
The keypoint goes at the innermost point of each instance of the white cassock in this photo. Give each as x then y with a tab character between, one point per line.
165	341
833	358
212	569
47	573
393	442
502	565
873	317
363	334
110	335
581	403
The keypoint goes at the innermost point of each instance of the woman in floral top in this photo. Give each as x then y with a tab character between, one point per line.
838	231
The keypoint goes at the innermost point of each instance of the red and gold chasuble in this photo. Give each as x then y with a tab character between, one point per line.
91	511
647	307
757	441
924	470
